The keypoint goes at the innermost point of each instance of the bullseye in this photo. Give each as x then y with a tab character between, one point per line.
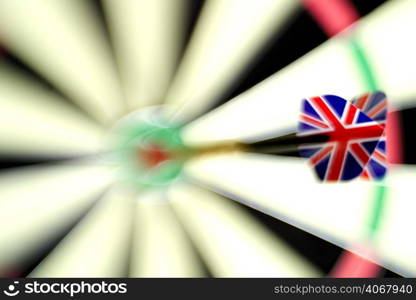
153	156
148	150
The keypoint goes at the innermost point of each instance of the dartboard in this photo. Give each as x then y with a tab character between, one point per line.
217	138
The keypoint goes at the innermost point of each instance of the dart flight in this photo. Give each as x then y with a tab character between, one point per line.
356	144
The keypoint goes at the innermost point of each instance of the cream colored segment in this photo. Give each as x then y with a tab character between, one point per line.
387	37
148	37
98	246
272	107
160	246
338	212
287	188
396	241
37	203
226	39
62	40
232	243
35	121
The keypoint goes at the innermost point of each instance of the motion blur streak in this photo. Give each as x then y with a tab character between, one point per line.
98	245
35	121
276	100
227	36
161	248
64	43
231	242
147	36
38	202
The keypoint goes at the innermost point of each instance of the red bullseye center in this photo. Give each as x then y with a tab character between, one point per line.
153	155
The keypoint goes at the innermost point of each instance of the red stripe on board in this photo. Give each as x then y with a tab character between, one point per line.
333	16
354	266
394	138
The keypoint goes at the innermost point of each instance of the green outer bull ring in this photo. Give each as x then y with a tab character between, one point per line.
133	135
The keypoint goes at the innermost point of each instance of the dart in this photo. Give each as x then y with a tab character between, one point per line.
341	139
355	130
150	151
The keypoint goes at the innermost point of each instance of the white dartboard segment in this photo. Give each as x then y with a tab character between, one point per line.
37	122
147	36
63	41
340	213
231	242
396	242
99	245
225	41
161	248
37	203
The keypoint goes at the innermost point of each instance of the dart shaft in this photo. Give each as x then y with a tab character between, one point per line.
285	144
277	146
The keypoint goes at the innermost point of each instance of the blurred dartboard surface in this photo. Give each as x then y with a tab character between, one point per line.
138	138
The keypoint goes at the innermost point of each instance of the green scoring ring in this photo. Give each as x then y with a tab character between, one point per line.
137	132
